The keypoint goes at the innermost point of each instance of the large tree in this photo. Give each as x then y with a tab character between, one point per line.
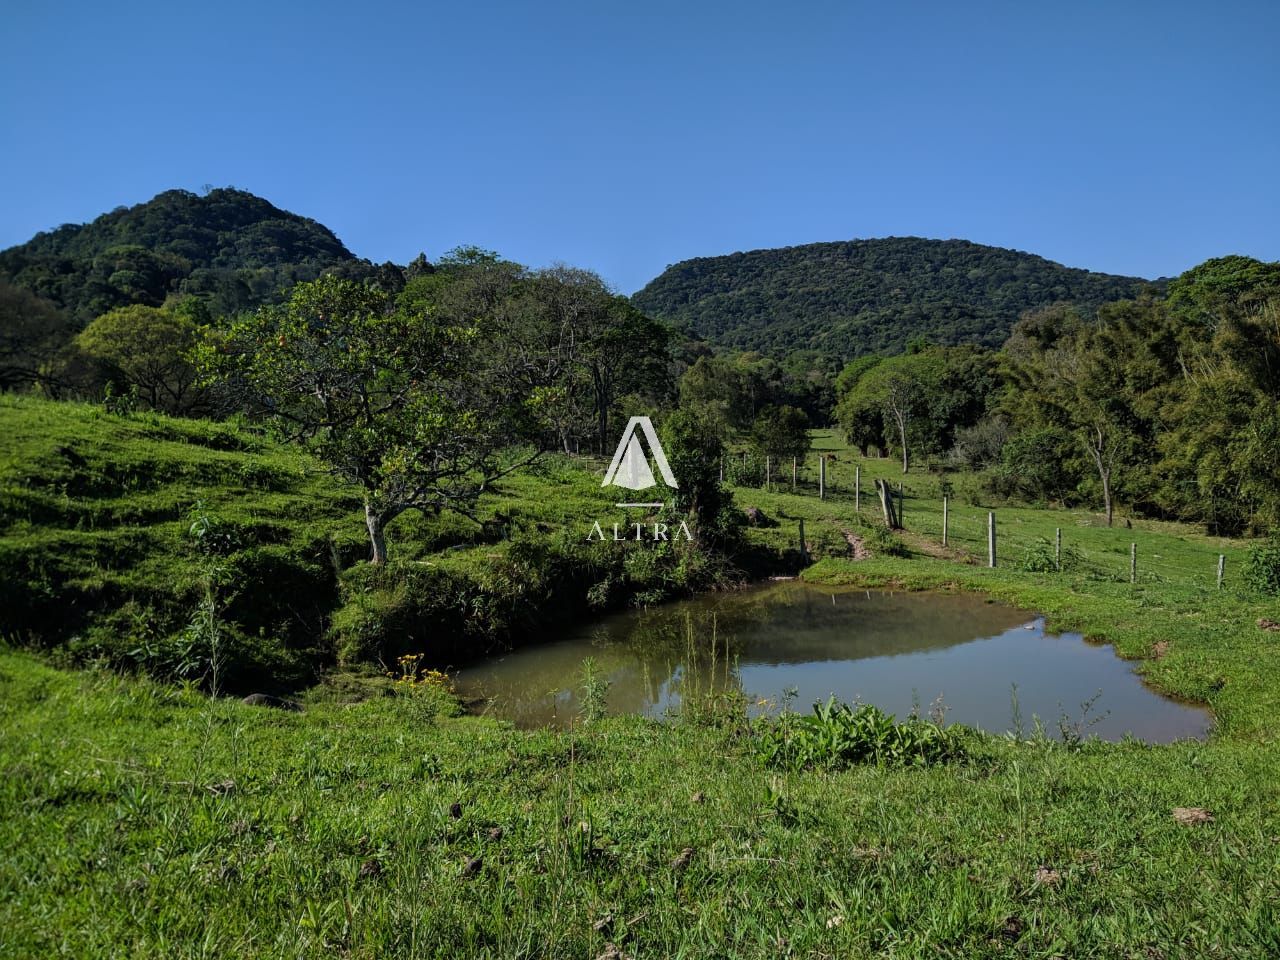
394	397
32	331
147	350
1102	381
781	433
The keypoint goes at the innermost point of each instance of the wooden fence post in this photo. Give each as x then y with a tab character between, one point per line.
1133	563
793	474
991	538
886	504
804	552
1057	548
1222	563
901	512
822	476
768	470
946	516
857	488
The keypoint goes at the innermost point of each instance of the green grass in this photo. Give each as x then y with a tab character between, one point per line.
144	820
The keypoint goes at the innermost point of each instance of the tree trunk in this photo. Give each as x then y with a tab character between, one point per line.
902	436
377	538
1098	450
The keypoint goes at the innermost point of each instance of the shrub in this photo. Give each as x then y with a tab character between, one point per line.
1039	558
838	735
1261	569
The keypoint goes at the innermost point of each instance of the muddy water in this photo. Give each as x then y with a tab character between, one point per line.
900	651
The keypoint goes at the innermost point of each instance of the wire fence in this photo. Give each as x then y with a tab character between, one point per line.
927	507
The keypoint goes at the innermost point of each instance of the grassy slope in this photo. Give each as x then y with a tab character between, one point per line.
114	843
96	558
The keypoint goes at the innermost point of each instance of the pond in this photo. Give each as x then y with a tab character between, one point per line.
960	653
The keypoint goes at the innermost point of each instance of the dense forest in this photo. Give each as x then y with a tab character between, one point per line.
228	246
868	296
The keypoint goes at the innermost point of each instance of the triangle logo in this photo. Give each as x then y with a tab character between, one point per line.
630	467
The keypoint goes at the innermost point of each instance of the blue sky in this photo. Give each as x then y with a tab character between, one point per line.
1134	138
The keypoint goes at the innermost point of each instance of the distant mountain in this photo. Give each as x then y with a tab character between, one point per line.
868	296
233	248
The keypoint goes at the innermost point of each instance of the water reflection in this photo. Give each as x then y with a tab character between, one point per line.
895	650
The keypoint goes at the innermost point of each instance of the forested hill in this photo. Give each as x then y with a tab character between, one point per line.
232	247
867	296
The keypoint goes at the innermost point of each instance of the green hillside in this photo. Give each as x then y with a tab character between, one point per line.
230	246
116	530
868	296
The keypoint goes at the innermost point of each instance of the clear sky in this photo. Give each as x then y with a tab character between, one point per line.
1136	138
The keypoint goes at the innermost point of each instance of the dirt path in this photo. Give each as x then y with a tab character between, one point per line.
860	551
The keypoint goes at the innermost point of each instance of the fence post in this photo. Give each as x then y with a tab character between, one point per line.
991	538
822	476
1057	548
1222	563
1133	563
793	474
804	553
886	504
768	470
722	468
900	511
946	516
857	488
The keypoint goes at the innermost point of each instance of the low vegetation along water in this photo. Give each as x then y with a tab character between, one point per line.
983	663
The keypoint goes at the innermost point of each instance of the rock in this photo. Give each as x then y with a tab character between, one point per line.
266	700
757	518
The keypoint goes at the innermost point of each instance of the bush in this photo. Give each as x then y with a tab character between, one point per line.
838	735
1039	558
1261	570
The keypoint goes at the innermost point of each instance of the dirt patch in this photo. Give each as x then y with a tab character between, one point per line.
1191	816
1159	649
1269	625
856	545
932	548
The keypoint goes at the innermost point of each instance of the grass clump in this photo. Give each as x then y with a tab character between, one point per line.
882	542
837	735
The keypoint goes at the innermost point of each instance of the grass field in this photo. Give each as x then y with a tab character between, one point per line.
146	820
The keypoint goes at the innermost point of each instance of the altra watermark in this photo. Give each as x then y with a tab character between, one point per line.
630	469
